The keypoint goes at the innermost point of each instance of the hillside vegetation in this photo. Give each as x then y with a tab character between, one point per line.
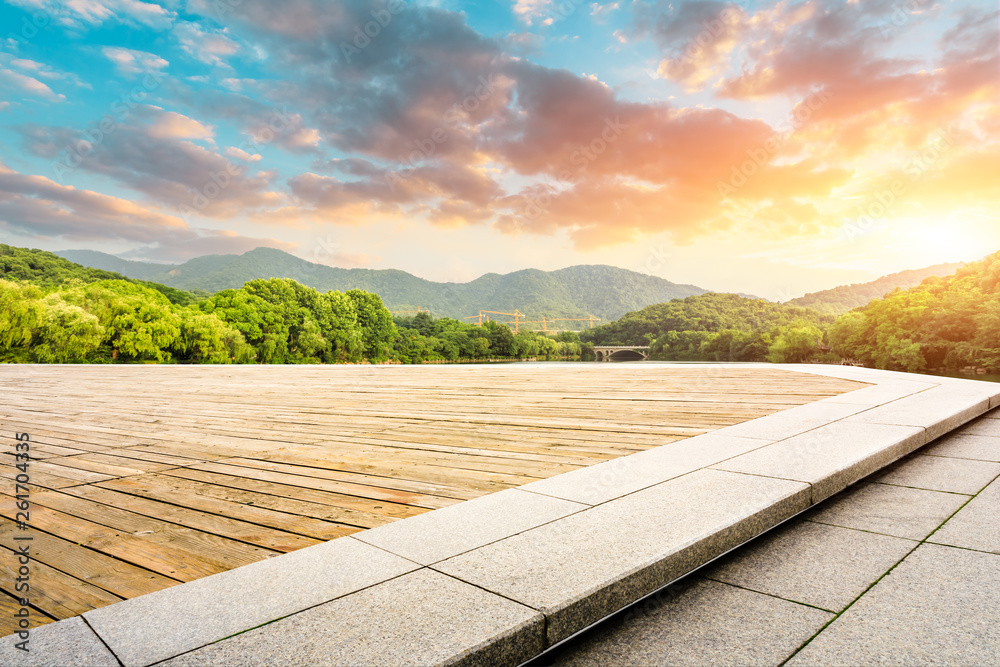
842	299
719	327
945	322
54	311
45	269
606	292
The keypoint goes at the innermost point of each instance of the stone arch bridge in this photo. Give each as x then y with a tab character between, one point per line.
621	352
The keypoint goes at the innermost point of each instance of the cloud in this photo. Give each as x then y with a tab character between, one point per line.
40	207
171	125
29	85
696	38
240	154
529	11
130	62
210	47
85	14
151	152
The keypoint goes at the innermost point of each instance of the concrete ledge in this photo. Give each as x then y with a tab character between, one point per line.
579	569
160	625
68	642
498	579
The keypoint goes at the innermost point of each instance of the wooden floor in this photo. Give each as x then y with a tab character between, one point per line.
143	477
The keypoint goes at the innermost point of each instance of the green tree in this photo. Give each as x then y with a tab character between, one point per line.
67	333
795	344
377	328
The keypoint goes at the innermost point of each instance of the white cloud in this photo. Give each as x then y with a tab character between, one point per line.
240	154
81	14
530	10
30	85
210	48
130	61
171	125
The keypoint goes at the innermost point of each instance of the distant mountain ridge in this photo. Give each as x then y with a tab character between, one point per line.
603	291
845	298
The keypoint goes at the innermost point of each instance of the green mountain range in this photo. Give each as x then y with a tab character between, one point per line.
606	292
842	299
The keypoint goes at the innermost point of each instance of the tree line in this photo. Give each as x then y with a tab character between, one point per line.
272	321
720	327
944	323
54	311
422	339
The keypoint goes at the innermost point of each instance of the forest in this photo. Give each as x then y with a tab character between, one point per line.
52	310
720	327
945	323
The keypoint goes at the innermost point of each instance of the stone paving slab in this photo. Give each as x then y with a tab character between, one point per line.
579	569
812	563
963	445
938	410
890	510
420	619
160	625
619	477
703	623
831	457
880	394
793	421
990	427
939	473
938	607
977	525
68	642
428	538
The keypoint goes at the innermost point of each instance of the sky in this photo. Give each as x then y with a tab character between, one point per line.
770	148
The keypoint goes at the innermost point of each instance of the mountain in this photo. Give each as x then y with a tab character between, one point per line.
841	299
606	292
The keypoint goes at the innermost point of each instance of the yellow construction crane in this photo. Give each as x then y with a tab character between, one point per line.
590	319
546	321
517	315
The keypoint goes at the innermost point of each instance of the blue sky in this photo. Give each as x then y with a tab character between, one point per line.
765	147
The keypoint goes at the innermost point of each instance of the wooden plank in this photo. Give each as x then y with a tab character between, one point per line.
9	624
149	551
110	574
269	538
249	506
59	595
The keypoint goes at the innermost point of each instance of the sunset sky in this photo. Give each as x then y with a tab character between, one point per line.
772	148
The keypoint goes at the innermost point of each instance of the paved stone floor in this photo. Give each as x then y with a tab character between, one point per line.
900	569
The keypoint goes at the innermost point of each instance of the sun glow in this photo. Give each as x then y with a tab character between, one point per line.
945	242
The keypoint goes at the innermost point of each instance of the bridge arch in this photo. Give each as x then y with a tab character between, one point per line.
621	352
